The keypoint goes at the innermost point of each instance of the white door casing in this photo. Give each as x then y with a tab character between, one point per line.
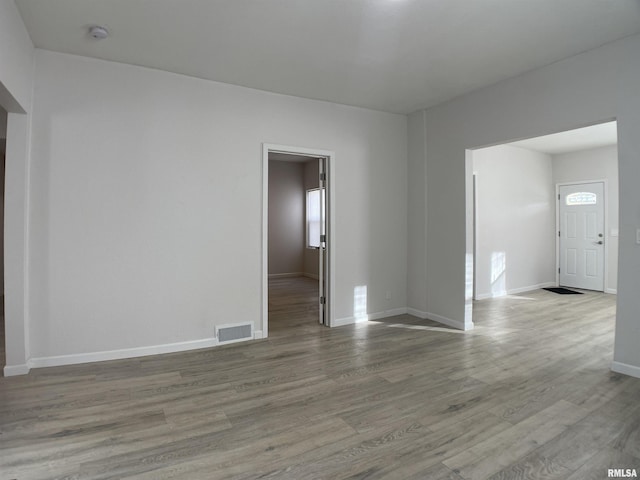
322	250
581	235
329	258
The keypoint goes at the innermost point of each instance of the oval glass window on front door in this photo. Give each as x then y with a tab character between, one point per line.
581	198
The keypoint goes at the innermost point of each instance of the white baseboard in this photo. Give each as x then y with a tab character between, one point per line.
400	311
417	313
460	325
340	322
515	291
76	358
626	369
613	291
440	319
388	313
13	370
484	296
286	275
294	274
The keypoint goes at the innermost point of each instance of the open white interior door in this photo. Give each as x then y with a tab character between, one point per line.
323	254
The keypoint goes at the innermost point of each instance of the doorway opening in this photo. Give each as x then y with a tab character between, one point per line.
297	257
528	198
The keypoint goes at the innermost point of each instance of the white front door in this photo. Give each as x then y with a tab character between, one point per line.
582	238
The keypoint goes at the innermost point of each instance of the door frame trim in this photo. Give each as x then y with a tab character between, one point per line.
310	152
605	270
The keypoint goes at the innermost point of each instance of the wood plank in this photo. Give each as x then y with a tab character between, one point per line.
527	394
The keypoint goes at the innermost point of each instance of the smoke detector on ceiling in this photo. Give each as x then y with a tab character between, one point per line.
98	32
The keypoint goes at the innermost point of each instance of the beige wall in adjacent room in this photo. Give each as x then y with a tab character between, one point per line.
286	217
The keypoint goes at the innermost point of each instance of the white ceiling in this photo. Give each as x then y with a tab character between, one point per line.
391	55
595	136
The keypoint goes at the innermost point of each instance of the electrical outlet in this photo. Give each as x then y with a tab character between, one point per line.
388	295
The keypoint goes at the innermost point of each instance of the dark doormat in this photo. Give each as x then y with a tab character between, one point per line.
562	291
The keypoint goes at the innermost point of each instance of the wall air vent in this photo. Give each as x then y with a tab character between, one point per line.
237	332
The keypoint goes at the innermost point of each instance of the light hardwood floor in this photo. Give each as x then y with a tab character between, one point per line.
527	394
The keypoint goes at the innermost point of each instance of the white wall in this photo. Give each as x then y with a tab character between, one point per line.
596	164
286	217
311	181
3	136
2	228
16	82
589	88
417	216
146	204
16	60
515	242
